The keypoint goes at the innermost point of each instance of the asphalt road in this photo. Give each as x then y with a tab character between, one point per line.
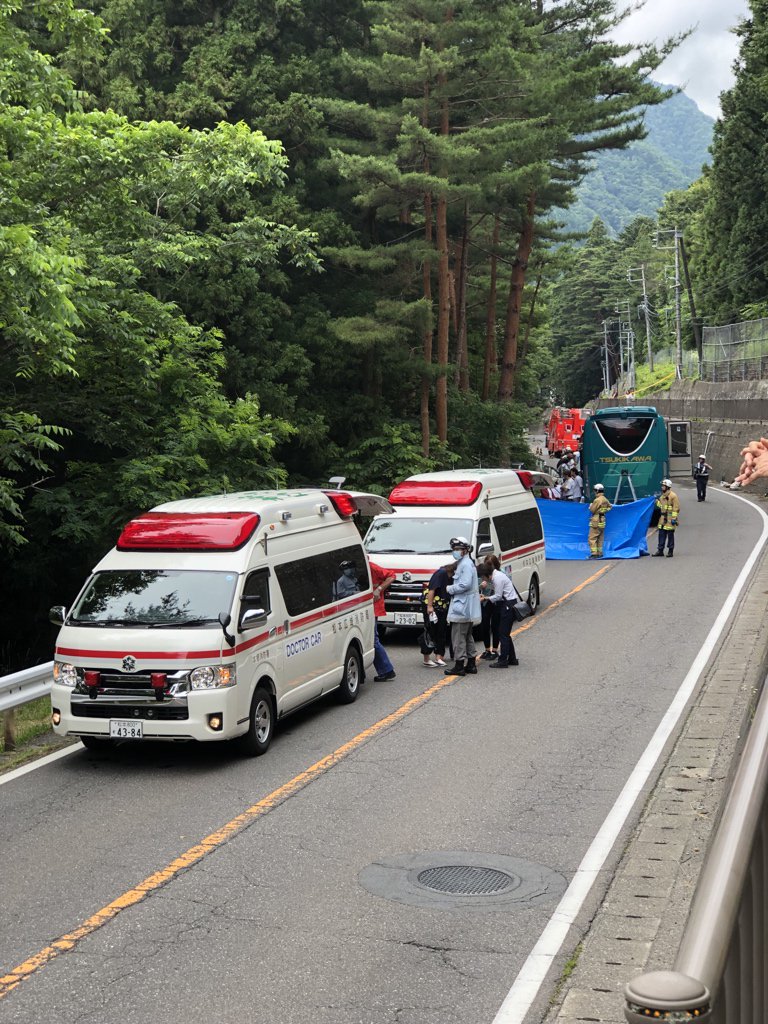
278	923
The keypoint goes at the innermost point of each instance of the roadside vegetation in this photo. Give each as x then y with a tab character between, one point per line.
33	734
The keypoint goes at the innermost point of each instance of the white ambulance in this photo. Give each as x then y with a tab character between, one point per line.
214	617
492	508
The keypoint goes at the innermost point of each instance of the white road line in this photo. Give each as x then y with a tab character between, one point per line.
526	986
40	763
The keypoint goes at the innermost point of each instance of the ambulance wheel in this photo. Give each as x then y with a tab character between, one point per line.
353	676
533	594
261	724
97	743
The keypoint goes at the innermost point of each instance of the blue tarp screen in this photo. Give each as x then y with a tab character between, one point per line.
566	529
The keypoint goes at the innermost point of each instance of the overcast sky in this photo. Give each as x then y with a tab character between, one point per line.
702	64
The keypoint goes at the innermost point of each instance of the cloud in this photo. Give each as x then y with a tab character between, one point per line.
703	63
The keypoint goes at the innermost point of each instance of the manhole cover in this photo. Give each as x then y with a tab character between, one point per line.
465	880
462	880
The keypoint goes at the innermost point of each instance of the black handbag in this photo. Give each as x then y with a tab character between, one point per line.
521	610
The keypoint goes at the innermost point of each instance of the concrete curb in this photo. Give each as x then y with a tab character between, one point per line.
638	926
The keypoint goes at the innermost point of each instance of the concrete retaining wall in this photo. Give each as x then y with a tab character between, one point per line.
731	414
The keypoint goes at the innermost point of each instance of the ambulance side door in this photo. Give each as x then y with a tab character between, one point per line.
261	635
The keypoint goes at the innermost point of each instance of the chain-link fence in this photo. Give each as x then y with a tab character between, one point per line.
690	364
736	352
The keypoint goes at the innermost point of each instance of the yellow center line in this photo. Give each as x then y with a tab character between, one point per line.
216	839
561	600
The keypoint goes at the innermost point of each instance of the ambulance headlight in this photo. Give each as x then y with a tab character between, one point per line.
65	674
209	677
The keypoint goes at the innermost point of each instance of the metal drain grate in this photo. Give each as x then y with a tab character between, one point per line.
466	880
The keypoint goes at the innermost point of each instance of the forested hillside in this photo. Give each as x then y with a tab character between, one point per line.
633	183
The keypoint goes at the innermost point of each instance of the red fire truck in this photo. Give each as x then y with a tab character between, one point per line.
564	429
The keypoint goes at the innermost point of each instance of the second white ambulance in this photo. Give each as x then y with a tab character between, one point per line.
490	507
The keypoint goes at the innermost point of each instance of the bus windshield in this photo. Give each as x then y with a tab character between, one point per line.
415	536
154	598
624	436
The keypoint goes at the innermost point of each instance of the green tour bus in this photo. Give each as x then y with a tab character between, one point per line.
626	450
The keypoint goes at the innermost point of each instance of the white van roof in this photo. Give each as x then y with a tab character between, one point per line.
226	522
487	477
455	488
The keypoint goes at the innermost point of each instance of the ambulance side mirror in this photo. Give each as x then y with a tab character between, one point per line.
253	617
224	620
57	614
485	549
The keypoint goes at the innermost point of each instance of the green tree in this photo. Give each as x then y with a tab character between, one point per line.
729	261
108	228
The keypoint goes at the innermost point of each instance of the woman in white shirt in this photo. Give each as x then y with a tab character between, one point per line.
504	593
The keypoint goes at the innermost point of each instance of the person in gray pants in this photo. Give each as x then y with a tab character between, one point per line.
464	610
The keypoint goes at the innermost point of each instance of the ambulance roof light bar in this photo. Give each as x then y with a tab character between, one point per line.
188	531
436	492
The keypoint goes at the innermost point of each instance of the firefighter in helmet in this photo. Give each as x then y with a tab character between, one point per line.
598	509
668	505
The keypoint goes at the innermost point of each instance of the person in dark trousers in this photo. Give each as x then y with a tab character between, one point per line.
503	594
701	472
435	610
489	625
381	579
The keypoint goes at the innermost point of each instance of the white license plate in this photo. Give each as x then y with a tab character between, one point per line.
407	619
128	730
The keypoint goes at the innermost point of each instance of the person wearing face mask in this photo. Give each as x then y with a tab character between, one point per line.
464	611
346	584
668	505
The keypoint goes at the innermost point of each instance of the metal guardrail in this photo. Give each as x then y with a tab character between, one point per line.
21	687
719	973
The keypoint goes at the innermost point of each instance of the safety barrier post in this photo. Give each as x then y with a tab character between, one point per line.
666	995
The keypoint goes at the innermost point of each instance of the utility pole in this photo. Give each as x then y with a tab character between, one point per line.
694	318
677	235
678	316
641	270
606	365
626	335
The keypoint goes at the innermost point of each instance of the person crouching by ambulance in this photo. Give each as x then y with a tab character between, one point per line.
668	505
502	595
464	611
598	509
381	579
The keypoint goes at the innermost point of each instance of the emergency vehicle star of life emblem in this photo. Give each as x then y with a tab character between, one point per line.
406	576
129	663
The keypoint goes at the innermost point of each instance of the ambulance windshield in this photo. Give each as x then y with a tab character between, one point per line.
415	536
154	598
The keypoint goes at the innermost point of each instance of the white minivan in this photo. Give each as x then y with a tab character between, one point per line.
214	617
492	508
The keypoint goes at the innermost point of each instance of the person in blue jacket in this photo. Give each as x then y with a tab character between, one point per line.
464	611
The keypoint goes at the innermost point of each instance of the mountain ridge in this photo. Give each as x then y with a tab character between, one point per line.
633	182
